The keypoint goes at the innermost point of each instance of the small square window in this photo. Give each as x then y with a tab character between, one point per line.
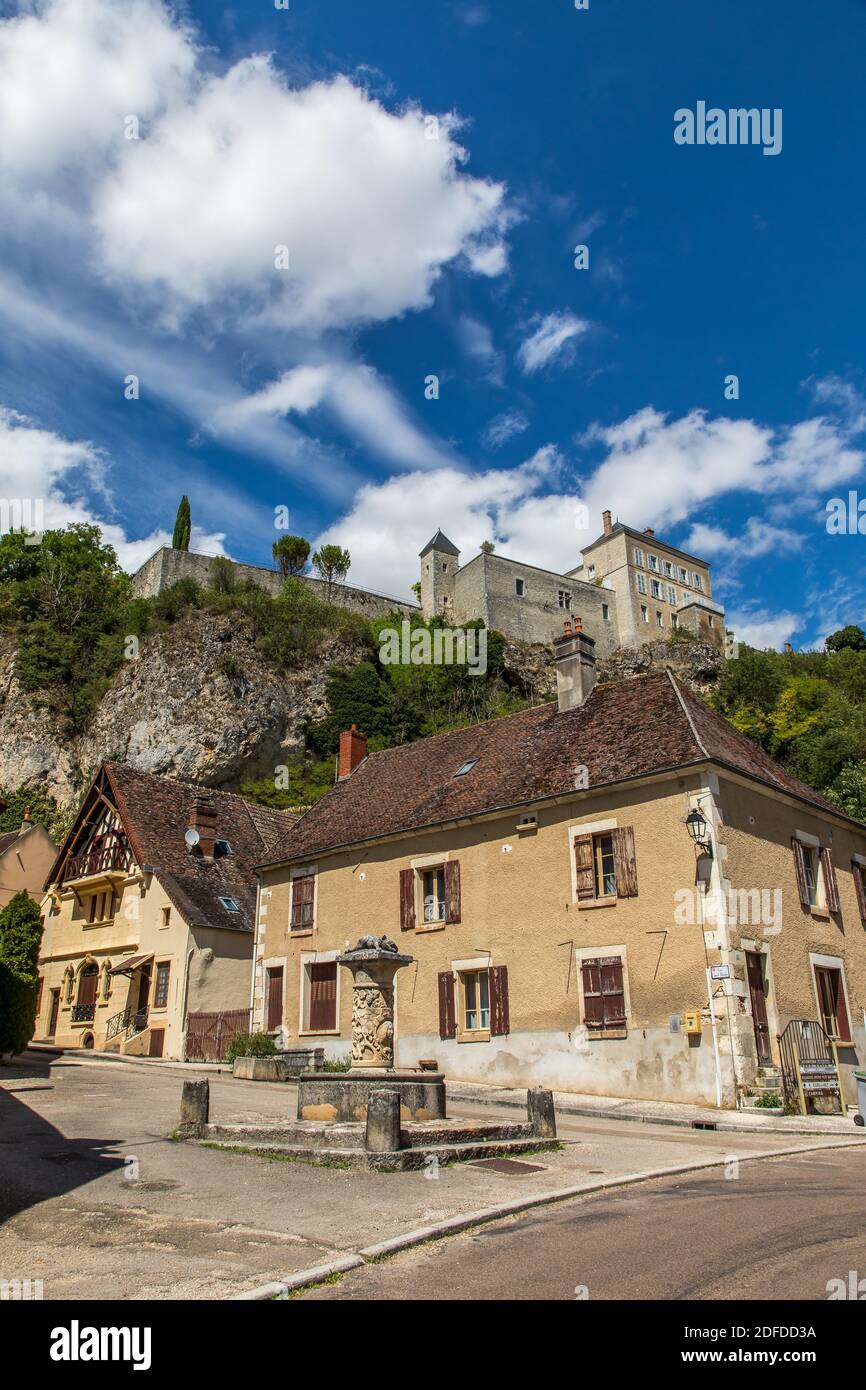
229	904
222	849
166	917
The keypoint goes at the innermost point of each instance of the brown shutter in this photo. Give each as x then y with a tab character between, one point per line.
625	861
859	888
452	890
831	887
612	991
800	869
323	997
447	1022
841	1010
407	899
303	897
584	872
275	998
500	1022
593	1006
87	985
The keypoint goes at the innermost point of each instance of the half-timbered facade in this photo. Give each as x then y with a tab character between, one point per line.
617	894
149	912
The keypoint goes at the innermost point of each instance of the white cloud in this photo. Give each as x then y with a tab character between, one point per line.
58	477
476	341
503	427
552	339
760	628
757	537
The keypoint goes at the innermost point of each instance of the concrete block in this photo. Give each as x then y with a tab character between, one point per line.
383	1122
541	1113
194	1108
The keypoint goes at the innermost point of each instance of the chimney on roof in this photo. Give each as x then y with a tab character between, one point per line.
574	658
605	521
26	822
648	531
353	750
203	819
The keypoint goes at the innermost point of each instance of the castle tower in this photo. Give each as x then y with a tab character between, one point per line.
440	561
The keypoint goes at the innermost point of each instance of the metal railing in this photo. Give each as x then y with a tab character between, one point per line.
810	1063
129	1022
83	1013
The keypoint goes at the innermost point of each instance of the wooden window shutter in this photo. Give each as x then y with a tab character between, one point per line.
612	991
407	899
447	1019
303	897
831	886
625	861
583	866
323	996
593	1005
275	999
860	888
452	890
800	869
500	1022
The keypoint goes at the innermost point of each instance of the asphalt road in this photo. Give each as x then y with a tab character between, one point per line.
780	1230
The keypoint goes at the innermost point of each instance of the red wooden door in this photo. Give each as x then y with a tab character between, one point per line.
758	992
87	985
157	1039
275	998
323	997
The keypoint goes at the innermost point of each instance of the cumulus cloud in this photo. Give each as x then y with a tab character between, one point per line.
757	537
551	340
758	627
57	479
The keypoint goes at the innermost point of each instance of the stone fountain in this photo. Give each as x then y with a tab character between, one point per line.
343	1096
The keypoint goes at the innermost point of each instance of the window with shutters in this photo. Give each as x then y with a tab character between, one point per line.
831	1002
816	876
475	1002
320	997
603	995
430	895
605	867
432	885
302	912
858	872
160	992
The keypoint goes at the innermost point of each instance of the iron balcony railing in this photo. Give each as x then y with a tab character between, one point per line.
129	1022
83	1013
104	859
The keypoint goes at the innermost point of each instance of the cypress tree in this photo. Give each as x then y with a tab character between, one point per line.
182	526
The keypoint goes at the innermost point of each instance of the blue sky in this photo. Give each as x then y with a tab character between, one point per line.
429	170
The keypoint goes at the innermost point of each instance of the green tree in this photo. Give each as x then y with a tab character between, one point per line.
332	565
20	934
851	638
848	792
487	547
182	526
291	554
43	811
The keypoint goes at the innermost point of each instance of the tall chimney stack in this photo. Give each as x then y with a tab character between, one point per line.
203	818
353	750
605	521
26	822
574	658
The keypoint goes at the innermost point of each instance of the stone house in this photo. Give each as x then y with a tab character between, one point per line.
629	588
566	929
149	912
26	855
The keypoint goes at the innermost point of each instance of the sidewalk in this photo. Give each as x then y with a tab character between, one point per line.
663	1112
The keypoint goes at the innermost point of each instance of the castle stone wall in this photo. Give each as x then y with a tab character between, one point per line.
486	588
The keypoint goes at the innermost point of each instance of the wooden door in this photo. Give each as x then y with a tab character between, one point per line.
157	1039
275	998
143	988
55	1010
87	985
323	997
758	992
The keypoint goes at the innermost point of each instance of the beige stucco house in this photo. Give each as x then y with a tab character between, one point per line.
26	856
149	912
567	927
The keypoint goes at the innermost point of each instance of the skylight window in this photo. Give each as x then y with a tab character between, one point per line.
229	904
467	767
222	848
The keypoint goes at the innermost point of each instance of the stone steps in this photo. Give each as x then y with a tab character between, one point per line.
320	1134
418	1156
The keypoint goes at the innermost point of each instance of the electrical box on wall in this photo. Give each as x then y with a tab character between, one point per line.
692	1022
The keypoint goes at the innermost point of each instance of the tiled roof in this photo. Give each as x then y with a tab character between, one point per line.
625	730
7	840
156	811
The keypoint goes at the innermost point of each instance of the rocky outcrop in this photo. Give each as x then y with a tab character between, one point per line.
199	702
697	663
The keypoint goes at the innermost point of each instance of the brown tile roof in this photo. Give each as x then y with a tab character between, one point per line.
155	812
625	730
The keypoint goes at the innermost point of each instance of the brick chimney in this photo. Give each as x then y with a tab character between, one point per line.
203	818
574	658
353	750
26	822
648	531
605	521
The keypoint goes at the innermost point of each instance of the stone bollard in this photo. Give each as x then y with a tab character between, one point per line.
194	1109
541	1113
383	1122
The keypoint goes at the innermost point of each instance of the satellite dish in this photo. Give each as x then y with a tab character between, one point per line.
192	838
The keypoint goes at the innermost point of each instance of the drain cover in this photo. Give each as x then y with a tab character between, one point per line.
508	1165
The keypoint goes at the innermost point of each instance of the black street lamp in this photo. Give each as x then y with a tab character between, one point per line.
698	829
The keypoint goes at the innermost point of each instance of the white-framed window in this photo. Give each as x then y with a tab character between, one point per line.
474	997
675	622
638	555
644	613
641	584
660	622
698	582
672	594
684	576
668	568
591	571
654	563
520	588
565	599
655	588
431	887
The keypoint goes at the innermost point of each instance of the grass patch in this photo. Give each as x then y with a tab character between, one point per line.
274	1157
335	1278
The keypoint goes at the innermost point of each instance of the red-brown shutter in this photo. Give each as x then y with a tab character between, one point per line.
39	984
841	1010
625	861
275	998
323	997
859	888
303	897
407	899
593	1006
447	1021
800	870
613	991
831	886
87	985
500	1023
452	890
583	867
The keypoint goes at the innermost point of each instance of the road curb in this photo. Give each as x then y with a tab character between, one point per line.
455	1224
